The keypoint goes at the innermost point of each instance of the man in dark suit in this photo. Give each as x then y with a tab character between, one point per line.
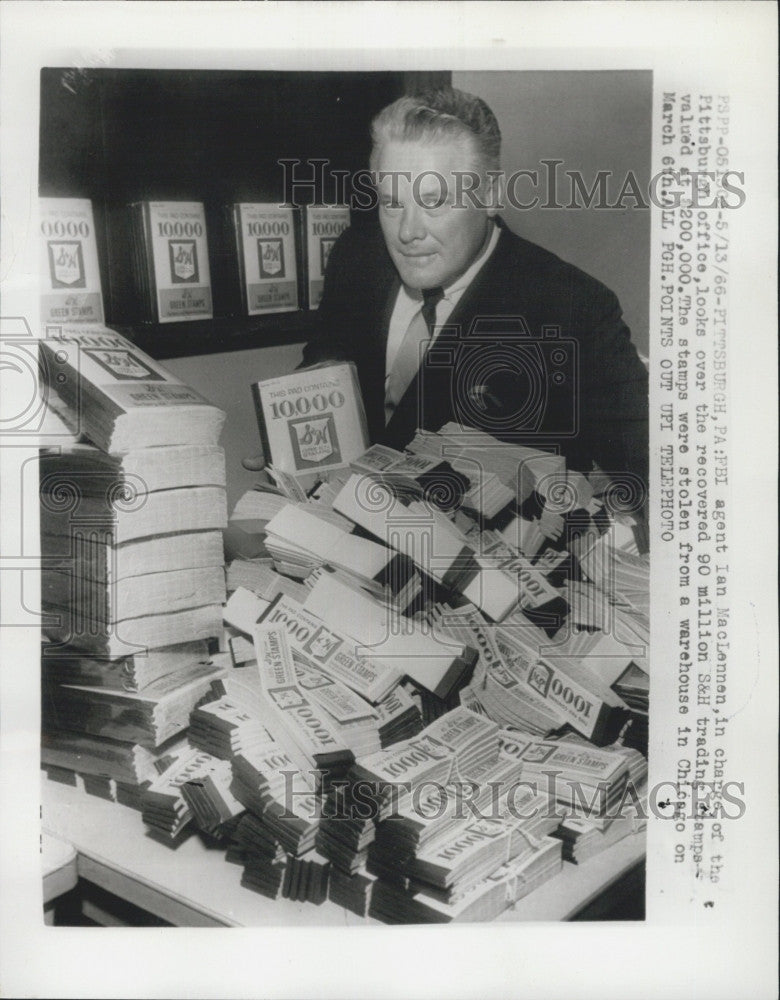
448	315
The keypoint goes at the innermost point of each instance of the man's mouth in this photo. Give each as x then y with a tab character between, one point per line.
419	257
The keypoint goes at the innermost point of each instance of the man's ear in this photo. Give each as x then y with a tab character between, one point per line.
495	187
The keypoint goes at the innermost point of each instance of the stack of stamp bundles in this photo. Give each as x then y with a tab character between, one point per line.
133	546
133	584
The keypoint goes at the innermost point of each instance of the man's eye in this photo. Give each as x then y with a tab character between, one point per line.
433	202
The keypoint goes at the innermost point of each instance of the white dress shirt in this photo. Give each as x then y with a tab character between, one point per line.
409	302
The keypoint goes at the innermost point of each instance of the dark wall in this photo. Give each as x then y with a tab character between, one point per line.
118	136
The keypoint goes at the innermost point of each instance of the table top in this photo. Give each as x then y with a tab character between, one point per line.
193	884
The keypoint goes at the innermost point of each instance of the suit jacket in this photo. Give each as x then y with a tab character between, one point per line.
535	352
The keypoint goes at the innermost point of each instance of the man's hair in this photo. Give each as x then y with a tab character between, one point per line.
440	114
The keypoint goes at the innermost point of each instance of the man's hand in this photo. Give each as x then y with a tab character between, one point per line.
257	464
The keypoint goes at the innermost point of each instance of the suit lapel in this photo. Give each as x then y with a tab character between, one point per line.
427	401
371	333
383	327
480	296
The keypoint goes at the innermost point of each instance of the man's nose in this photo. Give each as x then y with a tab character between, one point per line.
412	225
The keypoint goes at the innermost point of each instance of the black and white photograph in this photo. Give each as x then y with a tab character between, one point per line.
378	500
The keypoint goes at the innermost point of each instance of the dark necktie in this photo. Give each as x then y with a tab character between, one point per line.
412	349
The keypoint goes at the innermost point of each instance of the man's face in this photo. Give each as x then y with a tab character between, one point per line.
432	232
